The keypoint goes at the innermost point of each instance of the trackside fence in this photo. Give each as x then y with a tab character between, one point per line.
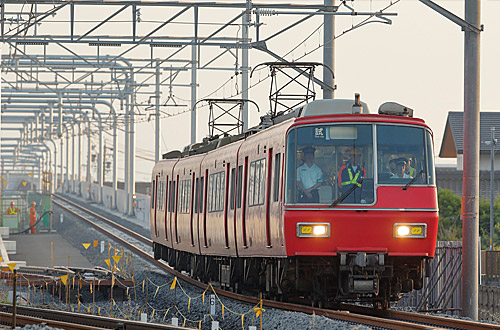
442	291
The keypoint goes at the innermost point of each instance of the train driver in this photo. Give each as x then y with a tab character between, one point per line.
309	177
350	175
400	169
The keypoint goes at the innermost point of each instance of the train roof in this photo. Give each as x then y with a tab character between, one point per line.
316	111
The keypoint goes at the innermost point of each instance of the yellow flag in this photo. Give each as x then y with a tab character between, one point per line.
116	258
24	183
173	283
106	261
88	309
189	303
258	311
31	173
86	245
11	266
64	278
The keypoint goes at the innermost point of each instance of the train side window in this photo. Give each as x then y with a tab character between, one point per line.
257	182
202	182
154	195
174	197
196	194
277	171
239	185
216	190
231	196
169	207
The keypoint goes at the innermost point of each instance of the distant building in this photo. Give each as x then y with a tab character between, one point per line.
450	177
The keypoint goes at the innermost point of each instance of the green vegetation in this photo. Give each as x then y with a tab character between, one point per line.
450	224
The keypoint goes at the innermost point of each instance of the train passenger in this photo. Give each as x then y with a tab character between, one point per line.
350	174
400	169
309	177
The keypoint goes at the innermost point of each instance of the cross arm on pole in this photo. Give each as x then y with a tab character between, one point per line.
452	17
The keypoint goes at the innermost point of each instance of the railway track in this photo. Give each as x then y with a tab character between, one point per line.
71	321
386	319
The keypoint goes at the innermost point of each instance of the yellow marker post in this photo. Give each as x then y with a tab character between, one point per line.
107	262
64	279
116	259
11	266
173	284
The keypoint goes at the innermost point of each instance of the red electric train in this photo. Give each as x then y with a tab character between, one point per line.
328	201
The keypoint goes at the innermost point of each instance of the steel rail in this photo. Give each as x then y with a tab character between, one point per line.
387	319
107	221
73	320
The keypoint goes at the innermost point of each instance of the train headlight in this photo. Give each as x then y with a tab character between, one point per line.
313	229
410	230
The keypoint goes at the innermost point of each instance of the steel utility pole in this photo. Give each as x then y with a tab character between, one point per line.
157	113
470	196
492	184
329	50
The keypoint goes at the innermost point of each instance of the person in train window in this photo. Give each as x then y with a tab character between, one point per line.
309	177
400	169
409	169
350	174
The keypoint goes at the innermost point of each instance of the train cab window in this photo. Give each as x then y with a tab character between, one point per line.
327	163
402	155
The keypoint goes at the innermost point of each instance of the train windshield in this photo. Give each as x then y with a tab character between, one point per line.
337	164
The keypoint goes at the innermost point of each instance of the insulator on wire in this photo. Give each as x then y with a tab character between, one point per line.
265	12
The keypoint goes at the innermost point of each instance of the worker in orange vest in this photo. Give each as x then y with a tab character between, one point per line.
12	210
33	217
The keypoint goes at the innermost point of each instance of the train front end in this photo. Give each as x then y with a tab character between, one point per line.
363	226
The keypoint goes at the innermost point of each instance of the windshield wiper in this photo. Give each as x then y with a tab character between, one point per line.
347	193
413	180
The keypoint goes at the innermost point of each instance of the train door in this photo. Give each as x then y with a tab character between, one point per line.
193	198
176	210
204	189
268	197
167	205
226	206
244	203
231	213
154	205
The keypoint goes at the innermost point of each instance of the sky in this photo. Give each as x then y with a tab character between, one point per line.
416	61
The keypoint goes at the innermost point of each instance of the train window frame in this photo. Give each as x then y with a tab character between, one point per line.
428	159
276	179
257	186
239	187
185	196
196	195
153	199
293	145
202	194
232	189
216	191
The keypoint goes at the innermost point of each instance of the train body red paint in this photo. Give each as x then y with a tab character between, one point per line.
235	211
